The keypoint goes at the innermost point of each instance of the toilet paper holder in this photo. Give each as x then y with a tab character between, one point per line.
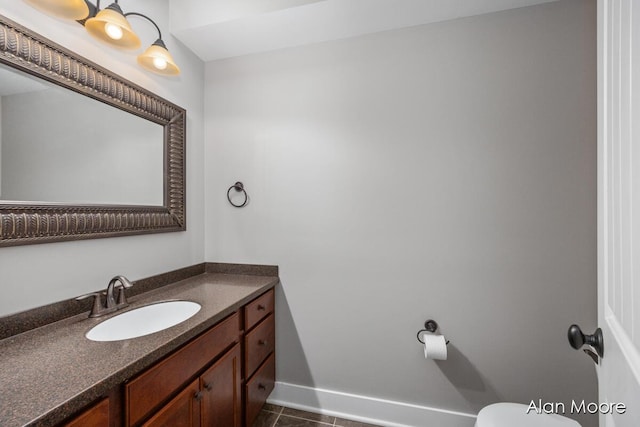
430	326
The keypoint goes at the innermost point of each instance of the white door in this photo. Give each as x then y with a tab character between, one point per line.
619	208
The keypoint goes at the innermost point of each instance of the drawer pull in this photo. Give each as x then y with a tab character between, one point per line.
261	307
261	387
262	342
208	386
198	396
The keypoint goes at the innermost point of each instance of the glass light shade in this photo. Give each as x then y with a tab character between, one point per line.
112	27
66	9
158	59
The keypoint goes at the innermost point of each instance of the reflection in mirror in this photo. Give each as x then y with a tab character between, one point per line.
57	145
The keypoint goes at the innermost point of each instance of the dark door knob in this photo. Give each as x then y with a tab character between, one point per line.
577	339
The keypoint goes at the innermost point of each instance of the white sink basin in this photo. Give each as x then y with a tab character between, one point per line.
143	321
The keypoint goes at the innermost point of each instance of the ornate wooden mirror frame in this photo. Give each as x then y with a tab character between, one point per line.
22	223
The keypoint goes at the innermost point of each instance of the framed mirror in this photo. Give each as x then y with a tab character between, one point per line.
84	153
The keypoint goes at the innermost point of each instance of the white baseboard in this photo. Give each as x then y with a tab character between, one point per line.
366	409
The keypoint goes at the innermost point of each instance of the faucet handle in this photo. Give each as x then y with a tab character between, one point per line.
122	283
97	308
122	298
117	282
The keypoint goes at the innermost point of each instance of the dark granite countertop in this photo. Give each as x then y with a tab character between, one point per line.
50	373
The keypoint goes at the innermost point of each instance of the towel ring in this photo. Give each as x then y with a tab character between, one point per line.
238	186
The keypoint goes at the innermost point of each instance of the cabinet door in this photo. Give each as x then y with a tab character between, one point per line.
96	416
220	385
182	411
145	393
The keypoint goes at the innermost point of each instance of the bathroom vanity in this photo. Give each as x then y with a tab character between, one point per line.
215	369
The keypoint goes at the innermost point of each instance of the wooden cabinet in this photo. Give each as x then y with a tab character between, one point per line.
259	344
145	394
258	309
220	379
182	411
259	357
258	388
149	392
212	400
221	395
95	416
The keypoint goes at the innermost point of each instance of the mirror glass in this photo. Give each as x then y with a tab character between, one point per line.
57	145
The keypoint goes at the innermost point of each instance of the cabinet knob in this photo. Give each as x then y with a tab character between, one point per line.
262	342
208	386
261	307
261	387
198	396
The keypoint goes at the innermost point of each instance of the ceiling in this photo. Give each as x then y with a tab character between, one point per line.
216	29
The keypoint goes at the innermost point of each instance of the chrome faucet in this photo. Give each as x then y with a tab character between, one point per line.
110	305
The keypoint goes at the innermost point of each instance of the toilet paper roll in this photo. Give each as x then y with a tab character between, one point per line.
435	347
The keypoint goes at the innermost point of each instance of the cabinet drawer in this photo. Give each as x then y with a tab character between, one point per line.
258	309
258	344
147	391
259	387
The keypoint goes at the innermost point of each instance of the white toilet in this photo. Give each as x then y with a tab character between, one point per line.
515	415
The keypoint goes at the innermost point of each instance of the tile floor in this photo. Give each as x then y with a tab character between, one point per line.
278	416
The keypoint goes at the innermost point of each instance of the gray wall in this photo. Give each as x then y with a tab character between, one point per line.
445	171
40	274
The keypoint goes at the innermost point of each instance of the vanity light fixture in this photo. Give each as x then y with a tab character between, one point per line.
110	25
66	9
157	57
